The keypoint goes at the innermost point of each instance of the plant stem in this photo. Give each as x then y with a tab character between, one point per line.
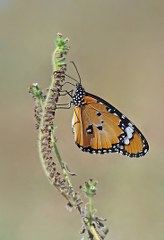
60	160
42	126
90	208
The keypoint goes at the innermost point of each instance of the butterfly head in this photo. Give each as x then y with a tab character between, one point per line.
78	97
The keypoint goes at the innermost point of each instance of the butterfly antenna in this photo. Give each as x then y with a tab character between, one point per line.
76	70
70	77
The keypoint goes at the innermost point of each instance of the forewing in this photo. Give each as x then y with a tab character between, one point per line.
100	128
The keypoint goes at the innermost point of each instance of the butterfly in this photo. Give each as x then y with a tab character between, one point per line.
99	128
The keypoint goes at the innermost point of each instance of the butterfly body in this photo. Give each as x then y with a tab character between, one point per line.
100	128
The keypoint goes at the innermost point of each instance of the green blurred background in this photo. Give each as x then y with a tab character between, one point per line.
118	47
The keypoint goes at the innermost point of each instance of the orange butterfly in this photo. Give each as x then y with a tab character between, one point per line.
99	127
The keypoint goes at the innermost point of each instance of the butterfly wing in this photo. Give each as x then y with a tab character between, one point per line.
99	127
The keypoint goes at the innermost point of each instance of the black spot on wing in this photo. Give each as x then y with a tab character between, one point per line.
89	129
99	114
99	127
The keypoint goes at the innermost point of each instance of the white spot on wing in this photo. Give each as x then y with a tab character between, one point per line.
129	131
131	125
126	140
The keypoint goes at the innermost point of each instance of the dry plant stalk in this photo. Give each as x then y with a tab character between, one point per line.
45	109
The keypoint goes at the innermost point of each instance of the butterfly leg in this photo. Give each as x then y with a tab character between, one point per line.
64	105
68	83
65	92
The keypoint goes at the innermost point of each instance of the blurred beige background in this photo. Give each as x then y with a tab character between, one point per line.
119	49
